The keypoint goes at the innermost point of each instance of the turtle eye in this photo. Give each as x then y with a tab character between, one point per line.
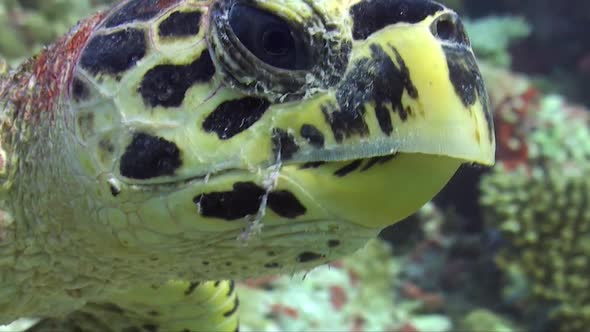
269	38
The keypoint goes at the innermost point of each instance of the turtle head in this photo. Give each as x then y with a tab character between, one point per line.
297	127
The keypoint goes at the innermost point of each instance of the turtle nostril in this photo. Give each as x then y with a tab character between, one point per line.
448	27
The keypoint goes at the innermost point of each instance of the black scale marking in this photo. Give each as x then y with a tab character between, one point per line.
114	53
245	200
191	288
467	80
234	116
349	168
377	161
312	164
180	24
166	85
80	91
149	157
285	204
137	10
313	135
377	79
283	144
234	309
309	256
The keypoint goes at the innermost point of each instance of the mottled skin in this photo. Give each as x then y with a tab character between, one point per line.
166	142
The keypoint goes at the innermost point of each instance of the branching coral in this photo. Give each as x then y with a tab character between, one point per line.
540	203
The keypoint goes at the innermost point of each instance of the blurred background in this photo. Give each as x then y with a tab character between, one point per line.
500	249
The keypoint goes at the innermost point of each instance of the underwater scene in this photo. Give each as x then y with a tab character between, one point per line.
500	248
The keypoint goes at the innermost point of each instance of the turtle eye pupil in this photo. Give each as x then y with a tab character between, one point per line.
277	42
268	37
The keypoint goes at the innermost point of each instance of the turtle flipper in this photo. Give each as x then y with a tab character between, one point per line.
177	306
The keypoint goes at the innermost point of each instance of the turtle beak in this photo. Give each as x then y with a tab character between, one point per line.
444	107
427	105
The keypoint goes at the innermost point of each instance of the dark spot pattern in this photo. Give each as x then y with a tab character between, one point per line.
114	53
233	309
272	265
234	116
377	161
149	157
180	24
333	243
283	144
80	91
245	200
308	256
242	201
285	204
377	79
166	85
137	10
313	135
312	164
370	16
467	80
191	288
232	287
349	168
346	122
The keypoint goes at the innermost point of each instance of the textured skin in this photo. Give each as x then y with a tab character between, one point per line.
140	149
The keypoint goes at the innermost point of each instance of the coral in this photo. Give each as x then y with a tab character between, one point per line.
27	25
538	197
482	320
491	36
355	294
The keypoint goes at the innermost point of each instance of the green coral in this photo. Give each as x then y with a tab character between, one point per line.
482	320
542	210
491	36
28	25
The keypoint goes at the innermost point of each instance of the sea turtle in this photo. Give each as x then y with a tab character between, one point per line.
164	143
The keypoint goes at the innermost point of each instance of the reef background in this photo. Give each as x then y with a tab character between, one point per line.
501	249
